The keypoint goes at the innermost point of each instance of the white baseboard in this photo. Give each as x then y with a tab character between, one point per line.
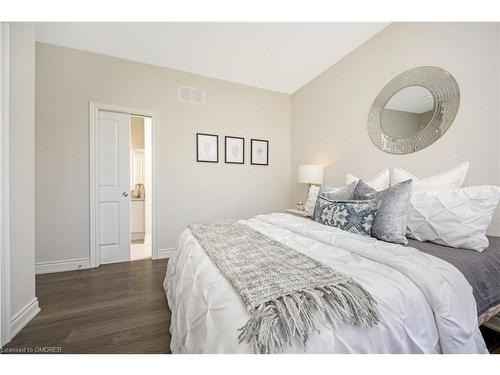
165	253
23	317
62	265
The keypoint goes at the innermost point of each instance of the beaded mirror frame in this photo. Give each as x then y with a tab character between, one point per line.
446	94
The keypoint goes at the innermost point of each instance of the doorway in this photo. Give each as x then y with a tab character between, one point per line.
140	187
122	184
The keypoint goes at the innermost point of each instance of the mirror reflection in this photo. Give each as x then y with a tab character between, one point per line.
407	112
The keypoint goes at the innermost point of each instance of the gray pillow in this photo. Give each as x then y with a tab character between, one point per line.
337	194
352	216
333	193
390	223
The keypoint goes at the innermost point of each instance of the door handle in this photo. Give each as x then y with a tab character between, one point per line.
125	194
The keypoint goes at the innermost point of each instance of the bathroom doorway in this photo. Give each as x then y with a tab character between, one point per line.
140	187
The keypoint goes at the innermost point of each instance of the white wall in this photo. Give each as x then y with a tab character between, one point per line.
67	79
4	256
22	173
329	114
399	124
136	132
329	117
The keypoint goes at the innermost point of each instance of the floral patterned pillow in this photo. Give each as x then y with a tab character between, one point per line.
352	216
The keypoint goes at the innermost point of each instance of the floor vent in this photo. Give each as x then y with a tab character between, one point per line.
191	95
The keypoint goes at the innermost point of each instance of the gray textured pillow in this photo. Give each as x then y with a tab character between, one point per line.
390	223
337	194
340	193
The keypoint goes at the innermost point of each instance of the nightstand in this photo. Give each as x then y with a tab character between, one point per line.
294	211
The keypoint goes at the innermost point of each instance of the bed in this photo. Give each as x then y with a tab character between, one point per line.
481	269
425	304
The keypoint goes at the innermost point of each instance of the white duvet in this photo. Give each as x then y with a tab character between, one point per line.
425	305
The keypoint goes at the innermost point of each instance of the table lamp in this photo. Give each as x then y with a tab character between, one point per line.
309	174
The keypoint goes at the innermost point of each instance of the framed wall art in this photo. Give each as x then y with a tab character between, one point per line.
207	148
234	150
259	152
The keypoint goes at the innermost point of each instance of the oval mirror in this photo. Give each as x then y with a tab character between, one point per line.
413	110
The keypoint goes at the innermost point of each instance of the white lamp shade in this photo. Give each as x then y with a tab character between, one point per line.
310	174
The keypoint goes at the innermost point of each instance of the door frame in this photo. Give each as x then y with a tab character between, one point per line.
5	295
94	108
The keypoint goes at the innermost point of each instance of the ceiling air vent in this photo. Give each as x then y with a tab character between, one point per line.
191	95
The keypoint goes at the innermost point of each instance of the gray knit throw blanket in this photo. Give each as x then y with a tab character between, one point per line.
285	291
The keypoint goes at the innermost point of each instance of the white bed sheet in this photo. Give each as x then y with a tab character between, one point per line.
425	305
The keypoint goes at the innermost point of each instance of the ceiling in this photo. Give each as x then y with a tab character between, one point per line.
275	56
414	99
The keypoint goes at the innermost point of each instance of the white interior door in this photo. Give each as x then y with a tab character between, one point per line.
113	163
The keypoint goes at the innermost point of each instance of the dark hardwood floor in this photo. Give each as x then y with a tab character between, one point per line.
492	339
116	308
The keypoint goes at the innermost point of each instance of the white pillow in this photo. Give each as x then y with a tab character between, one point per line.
310	204
457	218
379	182
452	179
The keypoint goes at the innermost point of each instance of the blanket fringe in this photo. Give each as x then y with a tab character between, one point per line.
275	323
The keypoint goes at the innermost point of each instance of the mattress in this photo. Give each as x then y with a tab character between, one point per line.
425	304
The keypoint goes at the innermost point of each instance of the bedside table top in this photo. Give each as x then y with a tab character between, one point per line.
296	212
